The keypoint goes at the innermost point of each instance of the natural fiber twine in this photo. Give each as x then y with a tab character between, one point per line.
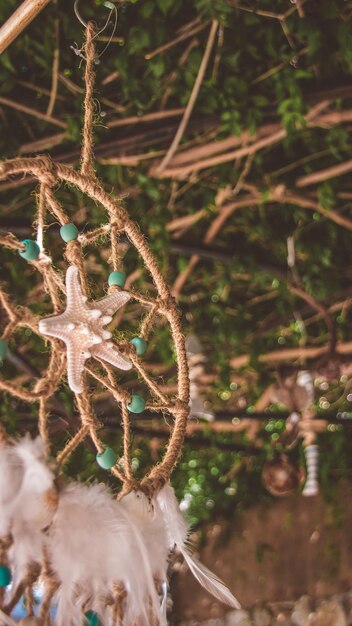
49	175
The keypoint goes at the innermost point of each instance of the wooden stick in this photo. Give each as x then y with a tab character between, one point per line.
19	20
29	111
192	100
322	175
291	354
174	42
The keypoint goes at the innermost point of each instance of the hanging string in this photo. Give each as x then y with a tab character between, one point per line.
87	157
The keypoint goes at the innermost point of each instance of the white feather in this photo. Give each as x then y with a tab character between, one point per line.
94	544
210	581
26	512
11	476
30	505
177	531
163	606
148	518
177	527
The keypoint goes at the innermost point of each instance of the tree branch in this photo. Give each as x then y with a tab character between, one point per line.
19	20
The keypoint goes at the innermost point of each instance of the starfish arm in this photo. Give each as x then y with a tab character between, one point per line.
76	301
108	353
112	302
77	354
57	326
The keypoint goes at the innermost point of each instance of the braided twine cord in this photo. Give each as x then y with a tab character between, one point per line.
50	175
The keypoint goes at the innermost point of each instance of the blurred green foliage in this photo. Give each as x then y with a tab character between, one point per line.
241	302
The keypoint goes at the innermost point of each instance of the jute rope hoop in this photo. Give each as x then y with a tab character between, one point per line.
49	175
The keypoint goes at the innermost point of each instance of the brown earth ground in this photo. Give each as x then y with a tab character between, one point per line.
297	546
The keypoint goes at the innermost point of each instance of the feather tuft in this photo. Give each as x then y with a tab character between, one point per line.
210	581
95	544
177	531
29	511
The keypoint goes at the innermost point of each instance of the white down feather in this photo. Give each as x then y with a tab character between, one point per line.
11	476
163	528
27	512
148	518
94	544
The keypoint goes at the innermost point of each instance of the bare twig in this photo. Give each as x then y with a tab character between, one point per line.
19	20
177	40
325	120
191	102
33	112
55	71
148	117
43	144
322	175
292	354
173	76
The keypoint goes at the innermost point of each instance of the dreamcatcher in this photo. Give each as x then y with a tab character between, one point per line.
99	560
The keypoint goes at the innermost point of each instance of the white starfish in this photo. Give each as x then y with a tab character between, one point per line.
80	326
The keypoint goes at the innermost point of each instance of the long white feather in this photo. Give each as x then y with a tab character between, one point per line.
210	581
178	530
147	517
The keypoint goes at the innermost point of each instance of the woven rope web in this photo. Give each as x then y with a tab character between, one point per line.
97	375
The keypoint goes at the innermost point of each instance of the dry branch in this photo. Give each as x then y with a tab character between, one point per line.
33	112
174	42
149	117
191	102
291	354
19	20
251	145
322	175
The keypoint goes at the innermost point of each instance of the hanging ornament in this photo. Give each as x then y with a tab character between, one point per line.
101	560
281	476
296	392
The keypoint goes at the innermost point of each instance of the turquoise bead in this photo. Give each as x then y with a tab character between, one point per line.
92	618
137	404
139	344
68	232
117	279
3	349
107	459
31	251
5	576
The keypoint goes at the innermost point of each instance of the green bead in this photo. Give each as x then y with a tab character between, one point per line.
92	618
137	404
3	349
68	232
117	279
140	345
5	576
31	251
107	459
